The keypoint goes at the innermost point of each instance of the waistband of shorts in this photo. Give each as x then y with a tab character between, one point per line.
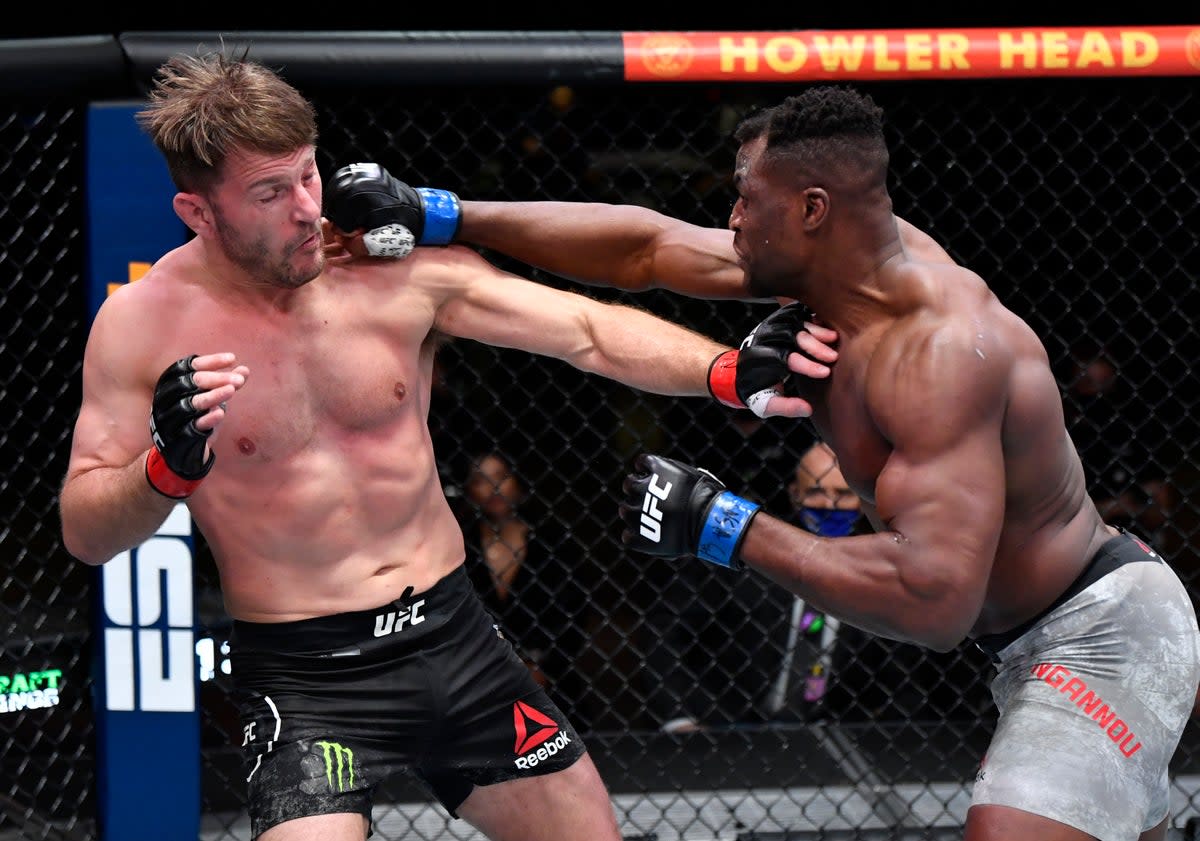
343	629
1107	559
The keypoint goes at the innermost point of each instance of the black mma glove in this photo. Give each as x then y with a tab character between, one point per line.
672	509
750	376
393	215
176	463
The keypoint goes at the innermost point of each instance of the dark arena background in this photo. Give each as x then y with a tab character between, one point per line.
1074	196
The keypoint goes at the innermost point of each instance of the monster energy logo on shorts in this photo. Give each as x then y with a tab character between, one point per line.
340	761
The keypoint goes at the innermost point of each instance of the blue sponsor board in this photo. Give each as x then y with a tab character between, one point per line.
148	721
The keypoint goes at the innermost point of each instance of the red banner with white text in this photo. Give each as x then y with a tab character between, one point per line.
816	55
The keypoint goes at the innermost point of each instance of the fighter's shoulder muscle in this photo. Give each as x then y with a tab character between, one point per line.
435	272
920	245
136	317
943	360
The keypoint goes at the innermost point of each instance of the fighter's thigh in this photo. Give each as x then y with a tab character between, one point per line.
1093	757
1003	823
567	805
300	766
1157	833
319	828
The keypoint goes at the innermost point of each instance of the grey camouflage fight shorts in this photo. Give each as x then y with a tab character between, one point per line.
1093	699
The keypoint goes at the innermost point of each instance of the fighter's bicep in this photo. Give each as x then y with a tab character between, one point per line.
99	440
946	507
113	425
699	262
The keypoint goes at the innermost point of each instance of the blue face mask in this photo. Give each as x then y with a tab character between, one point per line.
829	522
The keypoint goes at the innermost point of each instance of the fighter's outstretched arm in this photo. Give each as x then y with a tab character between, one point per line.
622	343
626	246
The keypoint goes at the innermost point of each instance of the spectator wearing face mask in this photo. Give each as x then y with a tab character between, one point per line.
822	503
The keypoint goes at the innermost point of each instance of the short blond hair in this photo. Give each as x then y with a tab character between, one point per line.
203	107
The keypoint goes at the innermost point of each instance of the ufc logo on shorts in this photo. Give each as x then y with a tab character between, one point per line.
651	522
393	621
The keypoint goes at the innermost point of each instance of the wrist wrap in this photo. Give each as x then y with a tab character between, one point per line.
724	529
722	379
443	215
394	241
166	481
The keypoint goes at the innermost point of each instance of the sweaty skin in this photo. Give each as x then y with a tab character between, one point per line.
941	406
945	416
324	496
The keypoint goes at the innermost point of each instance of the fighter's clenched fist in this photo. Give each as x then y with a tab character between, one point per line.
761	374
673	509
189	404
392	215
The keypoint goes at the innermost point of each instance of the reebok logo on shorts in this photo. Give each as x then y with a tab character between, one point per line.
535	729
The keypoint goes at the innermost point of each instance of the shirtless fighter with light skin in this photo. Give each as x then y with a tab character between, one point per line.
948	424
286	398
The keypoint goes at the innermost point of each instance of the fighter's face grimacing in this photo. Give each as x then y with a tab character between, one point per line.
267	216
766	222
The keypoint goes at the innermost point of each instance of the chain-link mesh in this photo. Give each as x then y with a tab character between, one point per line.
707	715
45	704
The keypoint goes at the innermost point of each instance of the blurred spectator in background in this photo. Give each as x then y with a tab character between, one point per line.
1118	441
1139	479
513	566
822	503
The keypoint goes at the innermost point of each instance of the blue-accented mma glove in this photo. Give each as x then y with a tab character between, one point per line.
393	215
757	371
673	509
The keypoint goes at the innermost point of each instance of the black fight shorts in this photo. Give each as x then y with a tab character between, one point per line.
332	706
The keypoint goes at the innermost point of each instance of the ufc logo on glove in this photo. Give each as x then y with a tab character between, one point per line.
652	515
689	514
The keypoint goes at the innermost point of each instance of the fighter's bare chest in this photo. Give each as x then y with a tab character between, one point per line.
315	382
843	421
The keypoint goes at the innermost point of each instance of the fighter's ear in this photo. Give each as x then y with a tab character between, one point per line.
816	207
195	212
